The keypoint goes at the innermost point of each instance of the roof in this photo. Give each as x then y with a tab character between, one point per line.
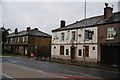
97	20
32	32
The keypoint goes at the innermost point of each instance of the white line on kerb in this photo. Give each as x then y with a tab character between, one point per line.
7	76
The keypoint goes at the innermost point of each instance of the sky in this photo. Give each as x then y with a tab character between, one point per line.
46	16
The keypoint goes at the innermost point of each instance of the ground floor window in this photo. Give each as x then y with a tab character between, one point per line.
79	52
67	51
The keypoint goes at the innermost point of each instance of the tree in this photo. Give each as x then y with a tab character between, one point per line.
5	32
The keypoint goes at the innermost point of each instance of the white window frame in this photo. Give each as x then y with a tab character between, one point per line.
110	31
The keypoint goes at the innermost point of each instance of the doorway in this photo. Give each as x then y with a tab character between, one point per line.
72	52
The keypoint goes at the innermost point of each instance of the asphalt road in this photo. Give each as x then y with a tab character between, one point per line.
55	68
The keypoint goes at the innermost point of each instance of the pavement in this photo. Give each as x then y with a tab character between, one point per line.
16	71
17	67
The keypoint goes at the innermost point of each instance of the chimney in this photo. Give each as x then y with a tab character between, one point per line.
36	29
16	30
28	28
107	11
62	24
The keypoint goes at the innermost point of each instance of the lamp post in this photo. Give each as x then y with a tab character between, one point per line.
84	52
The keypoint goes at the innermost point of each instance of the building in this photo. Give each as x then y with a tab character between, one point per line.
109	37
68	41
28	41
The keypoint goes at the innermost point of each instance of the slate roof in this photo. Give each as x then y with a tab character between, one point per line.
32	32
97	20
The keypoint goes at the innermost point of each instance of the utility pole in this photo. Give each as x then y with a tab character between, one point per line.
84	52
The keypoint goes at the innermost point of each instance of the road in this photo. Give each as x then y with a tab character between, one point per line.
17	67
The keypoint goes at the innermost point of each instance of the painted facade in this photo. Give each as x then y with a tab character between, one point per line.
78	42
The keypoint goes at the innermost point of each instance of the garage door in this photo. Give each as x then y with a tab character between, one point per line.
110	55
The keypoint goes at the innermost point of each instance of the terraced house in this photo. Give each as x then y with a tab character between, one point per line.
101	32
29	41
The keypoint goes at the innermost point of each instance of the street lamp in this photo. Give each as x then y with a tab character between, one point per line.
84	52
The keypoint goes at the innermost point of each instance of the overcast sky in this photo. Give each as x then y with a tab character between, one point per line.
46	16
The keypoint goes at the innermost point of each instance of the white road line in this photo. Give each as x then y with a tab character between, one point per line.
5	56
7	76
12	61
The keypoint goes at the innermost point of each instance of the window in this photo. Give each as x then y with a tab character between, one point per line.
18	39
73	35
87	34
62	36
110	32
26	38
11	40
67	51
23	39
80	52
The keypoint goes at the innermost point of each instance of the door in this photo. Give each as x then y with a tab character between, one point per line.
86	51
72	52
110	55
61	50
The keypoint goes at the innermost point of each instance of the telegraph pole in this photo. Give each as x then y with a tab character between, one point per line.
84	52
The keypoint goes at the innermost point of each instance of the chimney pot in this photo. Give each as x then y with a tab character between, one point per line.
107	11
16	30
35	28
28	28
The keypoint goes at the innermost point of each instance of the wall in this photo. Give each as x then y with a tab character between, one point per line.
69	33
67	43
103	32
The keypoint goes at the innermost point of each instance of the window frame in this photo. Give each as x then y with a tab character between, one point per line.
73	35
62	36
110	31
79	52
86	34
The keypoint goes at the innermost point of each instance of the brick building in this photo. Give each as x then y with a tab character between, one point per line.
28	41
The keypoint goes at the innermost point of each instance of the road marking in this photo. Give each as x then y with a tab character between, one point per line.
12	61
7	76
79	73
5	56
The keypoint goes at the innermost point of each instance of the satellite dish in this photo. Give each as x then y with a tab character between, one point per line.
114	33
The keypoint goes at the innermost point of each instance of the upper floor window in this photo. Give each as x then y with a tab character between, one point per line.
18	40
62	36
11	40
86	34
26	38
23	39
73	35
89	34
110	33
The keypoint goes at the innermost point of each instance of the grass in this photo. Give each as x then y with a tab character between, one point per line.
8	54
